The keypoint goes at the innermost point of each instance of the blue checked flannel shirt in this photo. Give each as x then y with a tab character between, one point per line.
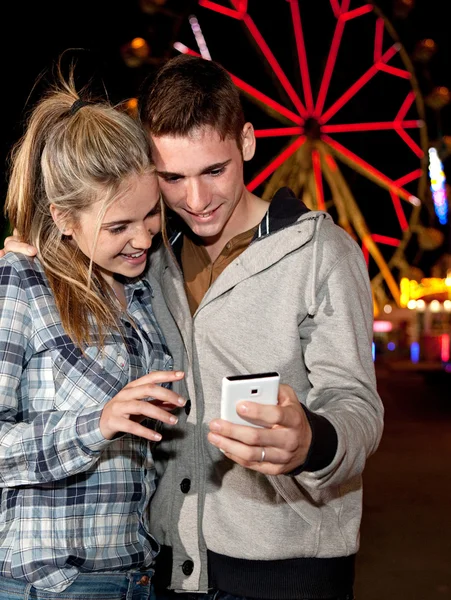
71	501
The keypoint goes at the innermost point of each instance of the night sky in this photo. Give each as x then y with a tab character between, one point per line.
33	35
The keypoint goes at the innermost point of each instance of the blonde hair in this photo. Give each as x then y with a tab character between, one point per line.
73	153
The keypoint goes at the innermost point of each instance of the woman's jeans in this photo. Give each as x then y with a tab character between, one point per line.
88	586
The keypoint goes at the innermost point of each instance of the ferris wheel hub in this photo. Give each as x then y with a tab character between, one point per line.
312	129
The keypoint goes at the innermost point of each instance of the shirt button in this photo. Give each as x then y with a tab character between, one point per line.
188	407
185	486
188	567
144	580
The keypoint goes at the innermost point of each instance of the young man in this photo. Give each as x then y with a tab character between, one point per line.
272	512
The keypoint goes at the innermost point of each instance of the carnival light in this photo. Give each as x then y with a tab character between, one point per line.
382	326
414	352
444	347
438	181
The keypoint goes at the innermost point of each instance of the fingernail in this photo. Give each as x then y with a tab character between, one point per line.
215	426
214	438
181	401
179	373
157	437
173	419
242	408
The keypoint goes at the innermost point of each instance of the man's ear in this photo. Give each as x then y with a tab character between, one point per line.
60	219
248	141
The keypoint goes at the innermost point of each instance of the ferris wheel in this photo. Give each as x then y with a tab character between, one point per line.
354	85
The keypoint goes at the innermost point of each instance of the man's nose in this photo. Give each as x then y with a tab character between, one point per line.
197	196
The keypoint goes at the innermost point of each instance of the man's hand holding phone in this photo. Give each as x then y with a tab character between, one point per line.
276	437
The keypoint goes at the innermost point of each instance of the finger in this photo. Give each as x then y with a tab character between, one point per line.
282	438
249	455
157	377
264	467
145	410
132	427
151	392
13	244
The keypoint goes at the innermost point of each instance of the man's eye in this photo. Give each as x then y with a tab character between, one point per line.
217	172
171	179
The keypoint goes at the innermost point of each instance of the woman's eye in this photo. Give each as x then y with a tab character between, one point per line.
116	230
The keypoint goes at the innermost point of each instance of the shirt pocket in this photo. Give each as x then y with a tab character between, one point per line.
89	379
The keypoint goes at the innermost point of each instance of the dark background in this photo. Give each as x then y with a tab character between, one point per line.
34	34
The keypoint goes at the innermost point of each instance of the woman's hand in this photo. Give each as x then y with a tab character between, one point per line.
141	399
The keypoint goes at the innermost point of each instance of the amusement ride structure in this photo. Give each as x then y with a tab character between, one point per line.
345	104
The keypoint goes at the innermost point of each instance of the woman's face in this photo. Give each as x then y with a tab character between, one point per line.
127	228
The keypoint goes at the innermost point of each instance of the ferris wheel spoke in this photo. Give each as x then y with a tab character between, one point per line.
399	211
274	164
363	80
242	15
374	126
409	141
240	5
343	17
276	132
336	8
328	70
316	163
265	49
302	56
369	171
251	91
228	12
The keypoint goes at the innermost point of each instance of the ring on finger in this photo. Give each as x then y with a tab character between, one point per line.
263	455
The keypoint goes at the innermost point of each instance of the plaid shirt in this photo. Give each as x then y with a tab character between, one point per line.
70	499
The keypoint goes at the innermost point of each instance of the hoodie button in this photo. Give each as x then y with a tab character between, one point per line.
185	485
188	567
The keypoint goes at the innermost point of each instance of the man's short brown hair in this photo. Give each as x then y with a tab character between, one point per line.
189	93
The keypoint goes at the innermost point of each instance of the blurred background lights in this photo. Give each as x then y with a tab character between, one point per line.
435	306
151	6
438	97
136	52
447	305
414	352
402	8
424	50
421	305
387	309
412	304
438	186
391	346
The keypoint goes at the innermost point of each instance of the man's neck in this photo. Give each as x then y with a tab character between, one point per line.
249	216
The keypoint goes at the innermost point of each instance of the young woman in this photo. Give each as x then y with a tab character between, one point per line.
84	365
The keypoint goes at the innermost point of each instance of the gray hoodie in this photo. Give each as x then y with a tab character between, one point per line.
297	301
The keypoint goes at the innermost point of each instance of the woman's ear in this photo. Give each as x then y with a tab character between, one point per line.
248	141
60	219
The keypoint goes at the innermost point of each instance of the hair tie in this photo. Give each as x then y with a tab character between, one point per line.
79	103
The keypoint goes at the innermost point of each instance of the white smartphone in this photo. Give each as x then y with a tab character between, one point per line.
256	387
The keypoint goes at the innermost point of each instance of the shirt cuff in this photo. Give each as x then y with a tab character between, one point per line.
323	446
88	431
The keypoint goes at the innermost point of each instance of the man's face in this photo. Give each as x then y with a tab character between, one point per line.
201	178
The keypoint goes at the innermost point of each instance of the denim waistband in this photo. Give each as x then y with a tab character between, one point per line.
133	585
